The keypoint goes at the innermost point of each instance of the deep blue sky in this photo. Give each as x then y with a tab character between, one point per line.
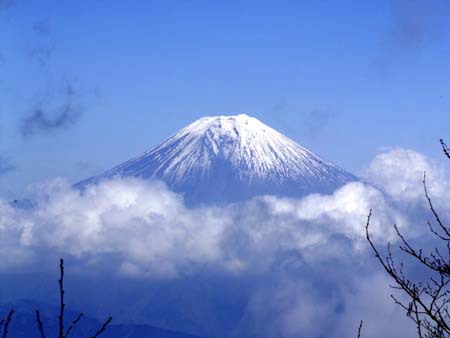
343	78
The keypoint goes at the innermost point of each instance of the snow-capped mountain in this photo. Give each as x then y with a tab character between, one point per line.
222	159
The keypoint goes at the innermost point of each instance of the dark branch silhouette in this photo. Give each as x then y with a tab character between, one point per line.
75	321
103	328
6	324
359	329
445	148
61	333
61	295
40	325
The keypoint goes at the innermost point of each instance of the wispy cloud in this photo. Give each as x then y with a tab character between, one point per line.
43	45
317	121
46	120
5	165
41	28
418	21
62	112
6	4
40	121
415	24
313	123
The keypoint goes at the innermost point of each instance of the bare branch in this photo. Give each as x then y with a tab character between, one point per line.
61	293
75	321
359	329
40	325
103	328
428	302
445	148
7	322
433	210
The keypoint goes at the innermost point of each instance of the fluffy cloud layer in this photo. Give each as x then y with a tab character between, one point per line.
141	228
151	230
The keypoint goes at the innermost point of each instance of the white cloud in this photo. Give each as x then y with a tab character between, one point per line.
143	222
151	230
345	211
141	228
399	172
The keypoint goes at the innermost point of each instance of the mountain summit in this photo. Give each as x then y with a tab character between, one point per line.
223	159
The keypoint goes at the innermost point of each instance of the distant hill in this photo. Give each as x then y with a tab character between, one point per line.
24	324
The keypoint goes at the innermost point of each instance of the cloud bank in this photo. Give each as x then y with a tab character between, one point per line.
153	232
310	255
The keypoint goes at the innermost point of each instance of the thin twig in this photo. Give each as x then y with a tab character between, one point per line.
103	328
445	148
433	210
75	321
61	293
359	329
8	320
40	325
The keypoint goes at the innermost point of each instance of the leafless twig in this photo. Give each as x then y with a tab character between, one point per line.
75	321
61	295
7	322
40	324
103	328
445	148
359	329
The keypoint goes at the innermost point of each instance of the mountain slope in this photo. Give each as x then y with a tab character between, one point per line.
231	158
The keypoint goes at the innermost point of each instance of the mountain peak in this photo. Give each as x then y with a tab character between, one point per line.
231	158
225	124
227	135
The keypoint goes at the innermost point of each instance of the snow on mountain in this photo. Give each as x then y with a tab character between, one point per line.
223	159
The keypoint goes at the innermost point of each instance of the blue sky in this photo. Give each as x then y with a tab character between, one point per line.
343	78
